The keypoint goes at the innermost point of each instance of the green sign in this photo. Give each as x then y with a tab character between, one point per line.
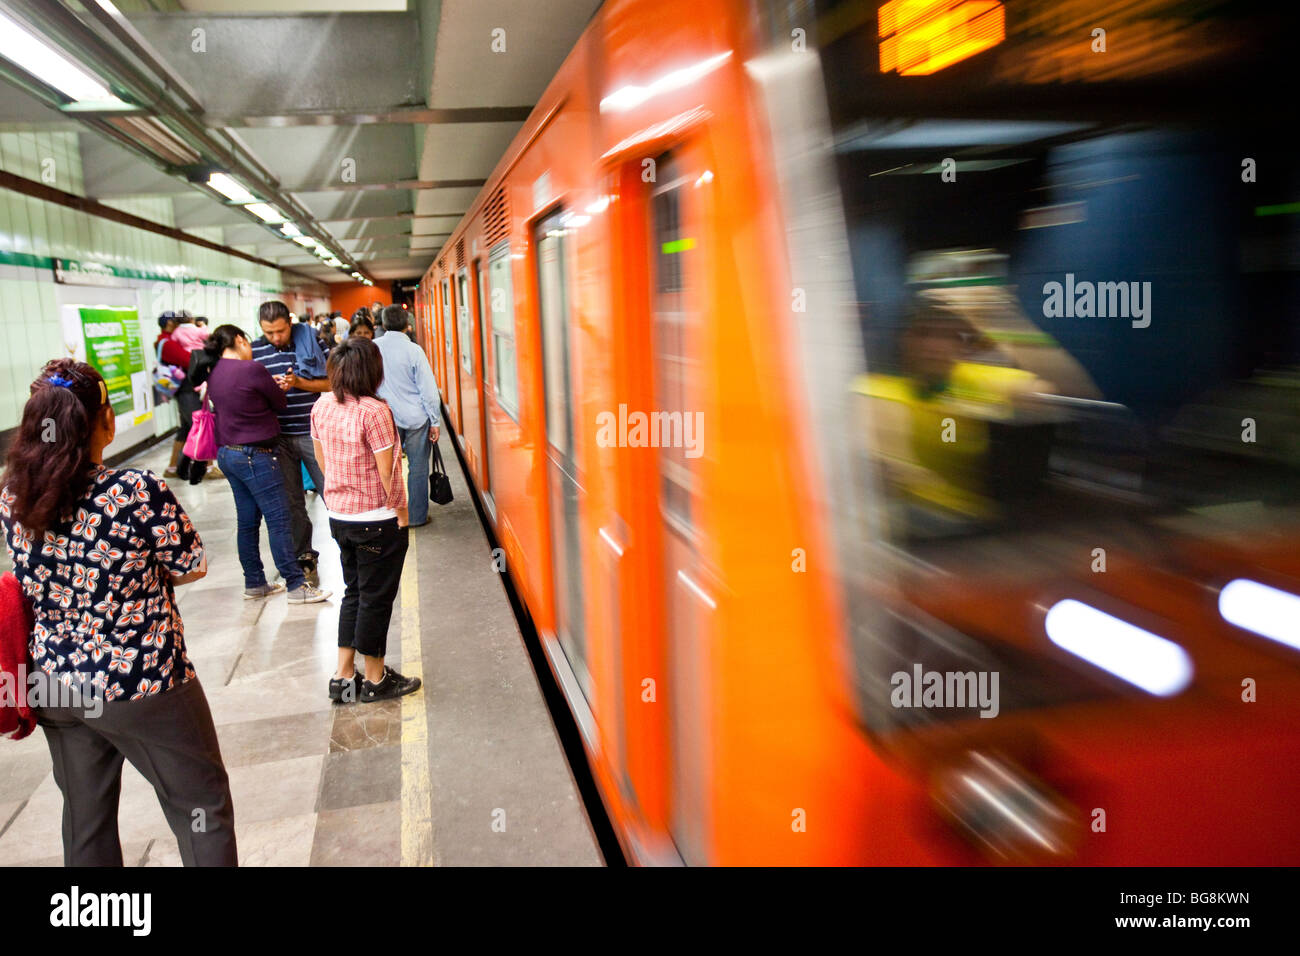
115	349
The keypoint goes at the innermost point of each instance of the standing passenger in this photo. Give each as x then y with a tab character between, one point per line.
99	552
357	442
292	354
411	392
245	400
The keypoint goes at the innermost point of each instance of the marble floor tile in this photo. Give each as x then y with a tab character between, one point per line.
359	836
358	777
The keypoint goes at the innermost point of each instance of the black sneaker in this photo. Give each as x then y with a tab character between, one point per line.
346	690
392	685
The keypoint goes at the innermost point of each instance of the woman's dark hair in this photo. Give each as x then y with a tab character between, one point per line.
362	313
48	466
361	322
222	338
356	369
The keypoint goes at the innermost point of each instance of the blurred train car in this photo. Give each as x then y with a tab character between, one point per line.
851	537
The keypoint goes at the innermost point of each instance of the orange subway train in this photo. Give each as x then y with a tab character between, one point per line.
860	395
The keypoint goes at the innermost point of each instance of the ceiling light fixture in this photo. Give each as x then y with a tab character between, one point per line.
33	54
230	188
289	229
265	212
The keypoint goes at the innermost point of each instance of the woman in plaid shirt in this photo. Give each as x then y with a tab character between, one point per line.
357	446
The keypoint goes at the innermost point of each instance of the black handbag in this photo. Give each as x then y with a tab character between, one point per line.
439	483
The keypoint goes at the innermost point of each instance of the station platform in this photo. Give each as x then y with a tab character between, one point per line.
467	771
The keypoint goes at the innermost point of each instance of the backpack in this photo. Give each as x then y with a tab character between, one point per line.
167	379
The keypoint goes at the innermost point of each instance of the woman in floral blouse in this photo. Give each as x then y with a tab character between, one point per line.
98	552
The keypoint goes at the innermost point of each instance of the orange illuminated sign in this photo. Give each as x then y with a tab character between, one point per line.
924	36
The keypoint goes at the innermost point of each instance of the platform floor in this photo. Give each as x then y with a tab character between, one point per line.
467	771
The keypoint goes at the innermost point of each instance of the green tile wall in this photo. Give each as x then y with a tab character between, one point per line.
29	319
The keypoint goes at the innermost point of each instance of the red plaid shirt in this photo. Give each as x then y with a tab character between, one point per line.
350	434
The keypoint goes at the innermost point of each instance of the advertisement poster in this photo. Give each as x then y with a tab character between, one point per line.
114	347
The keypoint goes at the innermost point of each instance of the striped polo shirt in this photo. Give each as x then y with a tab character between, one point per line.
296	417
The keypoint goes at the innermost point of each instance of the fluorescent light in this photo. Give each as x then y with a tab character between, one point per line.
265	212
304	240
1266	611
229	188
1143	659
631	96
289	229
48	65
356	275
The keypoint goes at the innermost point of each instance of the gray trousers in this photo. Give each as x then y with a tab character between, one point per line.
296	451
170	739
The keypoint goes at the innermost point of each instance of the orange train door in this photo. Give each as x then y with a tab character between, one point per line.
563	486
480	322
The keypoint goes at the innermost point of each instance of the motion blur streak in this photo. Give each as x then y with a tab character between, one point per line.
1156	665
1266	611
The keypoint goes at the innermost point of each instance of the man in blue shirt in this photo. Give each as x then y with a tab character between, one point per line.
411	392
293	356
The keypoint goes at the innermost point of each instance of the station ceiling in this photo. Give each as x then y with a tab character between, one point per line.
377	121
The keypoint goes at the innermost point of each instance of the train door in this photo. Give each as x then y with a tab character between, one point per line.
449	356
470	409
676	288
564	490
480	283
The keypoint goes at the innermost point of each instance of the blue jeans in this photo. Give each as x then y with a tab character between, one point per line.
258	486
417	449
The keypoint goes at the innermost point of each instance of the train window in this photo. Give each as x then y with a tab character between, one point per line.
669	246
564	491
482	282
446	325
553	296
502	303
462	322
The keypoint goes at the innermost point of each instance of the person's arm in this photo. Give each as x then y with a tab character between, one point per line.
428	389
198	573
265	383
294	380
171	535
381	436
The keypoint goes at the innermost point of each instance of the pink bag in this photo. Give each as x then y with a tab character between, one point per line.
202	443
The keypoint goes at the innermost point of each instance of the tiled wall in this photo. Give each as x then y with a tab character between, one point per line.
32	230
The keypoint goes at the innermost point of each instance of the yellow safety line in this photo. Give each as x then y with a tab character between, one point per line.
417	788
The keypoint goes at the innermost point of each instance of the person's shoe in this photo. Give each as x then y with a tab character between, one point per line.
308	565
346	690
420	525
197	469
170	472
392	685
213	473
307	594
265	590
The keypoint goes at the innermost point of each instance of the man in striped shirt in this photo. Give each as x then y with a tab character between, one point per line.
294	358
